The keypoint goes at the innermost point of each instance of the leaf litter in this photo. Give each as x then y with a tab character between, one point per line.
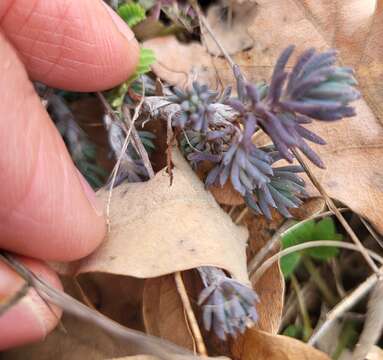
189	229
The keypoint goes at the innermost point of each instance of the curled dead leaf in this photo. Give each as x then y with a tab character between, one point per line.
180	64
158	229
230	24
82	341
258	345
375	354
163	312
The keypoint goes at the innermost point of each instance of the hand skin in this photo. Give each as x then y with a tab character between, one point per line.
48	211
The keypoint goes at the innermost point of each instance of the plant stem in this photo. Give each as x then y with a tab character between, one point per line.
257	273
337	213
190	314
307	327
346	337
318	280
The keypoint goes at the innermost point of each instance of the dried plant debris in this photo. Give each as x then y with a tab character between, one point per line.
81	148
230	22
314	89
131	166
373	325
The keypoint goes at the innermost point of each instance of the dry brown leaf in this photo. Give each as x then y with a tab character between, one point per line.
230	27
225	195
258	345
353	155
180	64
355	28
163	312
157	229
137	357
375	354
82	341
271	286
115	296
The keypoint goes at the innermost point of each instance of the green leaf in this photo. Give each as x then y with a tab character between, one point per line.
146	60
309	231
294	236
132	13
324	230
289	263
294	331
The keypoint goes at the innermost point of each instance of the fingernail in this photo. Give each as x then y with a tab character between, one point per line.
91	195
121	25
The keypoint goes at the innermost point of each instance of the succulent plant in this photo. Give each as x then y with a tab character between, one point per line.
228	306
284	191
196	107
314	89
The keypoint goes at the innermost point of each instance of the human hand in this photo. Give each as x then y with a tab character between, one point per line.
48	211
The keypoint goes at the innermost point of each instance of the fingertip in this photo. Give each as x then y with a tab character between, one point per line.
75	45
30	319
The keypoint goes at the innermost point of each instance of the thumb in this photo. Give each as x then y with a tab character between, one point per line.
47	211
79	45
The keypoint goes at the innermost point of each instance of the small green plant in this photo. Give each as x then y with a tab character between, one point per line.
294	331
309	231
146	60
132	13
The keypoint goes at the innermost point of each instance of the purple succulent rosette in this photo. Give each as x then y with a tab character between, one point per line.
228	306
314	89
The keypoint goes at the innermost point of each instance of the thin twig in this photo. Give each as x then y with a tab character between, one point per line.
287	226
373	233
14	299
302	307
307	245
82	294
309	293
315	276
336	212
343	306
139	343
190	314
337	278
108	109
373	324
206	24
139	145
241	215
315	217
123	151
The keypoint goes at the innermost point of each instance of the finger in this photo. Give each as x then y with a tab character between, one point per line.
77	45
30	319
46	211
